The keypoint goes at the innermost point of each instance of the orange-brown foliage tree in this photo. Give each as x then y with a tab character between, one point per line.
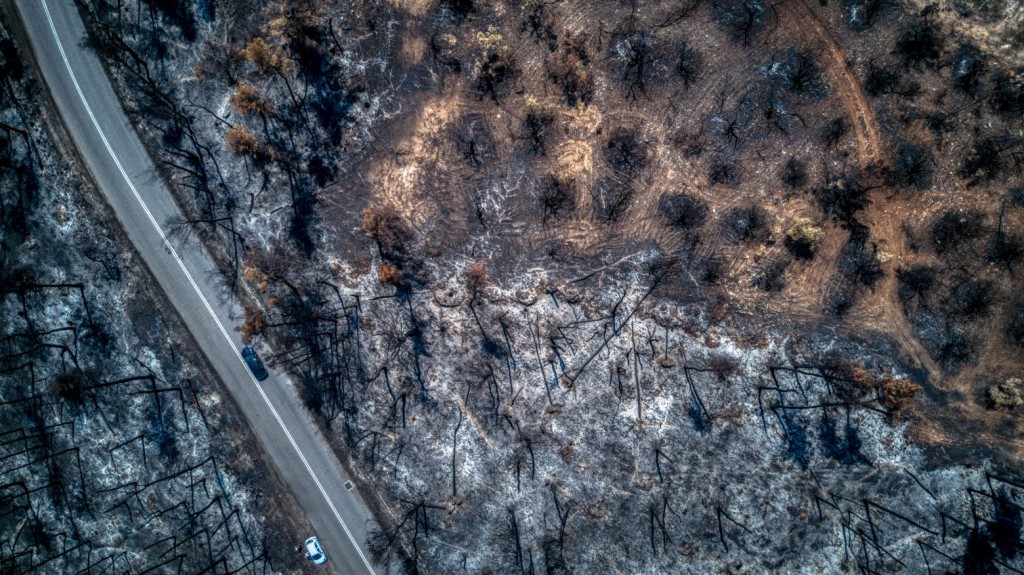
254	324
242	142
247	99
382	224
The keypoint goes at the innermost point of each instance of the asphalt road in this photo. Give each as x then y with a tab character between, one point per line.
125	174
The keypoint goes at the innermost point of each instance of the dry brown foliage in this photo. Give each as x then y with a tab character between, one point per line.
256	276
719	308
242	142
478	276
247	99
862	379
265	56
382	224
569	68
388	274
723	366
896	394
254	324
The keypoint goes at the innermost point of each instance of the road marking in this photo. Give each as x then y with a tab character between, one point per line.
195	286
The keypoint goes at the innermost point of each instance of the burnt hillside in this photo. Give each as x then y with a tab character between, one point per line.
118	452
622	286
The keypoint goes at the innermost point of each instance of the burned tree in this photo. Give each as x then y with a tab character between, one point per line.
955	228
636	60
803	237
916	283
540	24
683	211
993	158
743	20
724	172
798	74
689	63
569	69
474	141
495	73
557	197
912	167
611	199
1015	327
968	70
538	127
772	275
920	44
627	155
842	197
971	298
834	131
747	224
1007	97
1005	248
887	80
794	173
861	15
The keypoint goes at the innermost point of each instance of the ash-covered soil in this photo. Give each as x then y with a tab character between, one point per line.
624	287
118	452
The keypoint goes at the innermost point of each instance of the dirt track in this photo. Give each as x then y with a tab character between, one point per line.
881	308
851	93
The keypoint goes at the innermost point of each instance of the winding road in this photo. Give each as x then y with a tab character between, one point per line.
125	174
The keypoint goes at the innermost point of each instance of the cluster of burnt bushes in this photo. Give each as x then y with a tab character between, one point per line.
950	298
296	102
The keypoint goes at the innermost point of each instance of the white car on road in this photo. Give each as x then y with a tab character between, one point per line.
314	551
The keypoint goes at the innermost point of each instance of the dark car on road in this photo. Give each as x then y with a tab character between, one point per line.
254	363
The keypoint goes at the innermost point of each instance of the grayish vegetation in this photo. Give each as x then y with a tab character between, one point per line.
107	456
580	341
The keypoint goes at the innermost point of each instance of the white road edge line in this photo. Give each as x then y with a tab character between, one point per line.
195	286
